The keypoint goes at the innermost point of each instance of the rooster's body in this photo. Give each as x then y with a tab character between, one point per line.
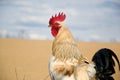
66	62
65	54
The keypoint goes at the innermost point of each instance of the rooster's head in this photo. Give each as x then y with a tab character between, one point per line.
55	21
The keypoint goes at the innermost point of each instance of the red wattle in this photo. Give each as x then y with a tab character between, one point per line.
54	31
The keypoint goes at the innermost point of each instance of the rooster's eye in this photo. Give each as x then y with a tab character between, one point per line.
57	24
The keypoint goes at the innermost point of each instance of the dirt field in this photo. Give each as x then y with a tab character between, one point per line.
28	59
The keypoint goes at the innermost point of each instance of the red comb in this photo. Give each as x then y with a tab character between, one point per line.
60	17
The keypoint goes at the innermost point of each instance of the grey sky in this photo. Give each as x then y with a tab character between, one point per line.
88	20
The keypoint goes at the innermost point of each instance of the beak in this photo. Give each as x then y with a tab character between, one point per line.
49	25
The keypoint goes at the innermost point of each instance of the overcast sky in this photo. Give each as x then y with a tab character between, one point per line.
88	20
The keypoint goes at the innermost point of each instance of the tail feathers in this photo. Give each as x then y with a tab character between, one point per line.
105	63
115	56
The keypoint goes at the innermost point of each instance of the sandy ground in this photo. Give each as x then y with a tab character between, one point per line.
28	59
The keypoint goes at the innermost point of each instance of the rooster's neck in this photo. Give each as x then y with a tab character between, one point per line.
64	45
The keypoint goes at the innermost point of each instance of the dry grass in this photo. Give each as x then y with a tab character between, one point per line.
28	59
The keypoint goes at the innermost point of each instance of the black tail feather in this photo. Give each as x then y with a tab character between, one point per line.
104	62
115	56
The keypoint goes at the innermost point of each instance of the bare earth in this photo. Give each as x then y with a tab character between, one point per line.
28	59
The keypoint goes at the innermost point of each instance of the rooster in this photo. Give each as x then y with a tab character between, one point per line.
66	61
